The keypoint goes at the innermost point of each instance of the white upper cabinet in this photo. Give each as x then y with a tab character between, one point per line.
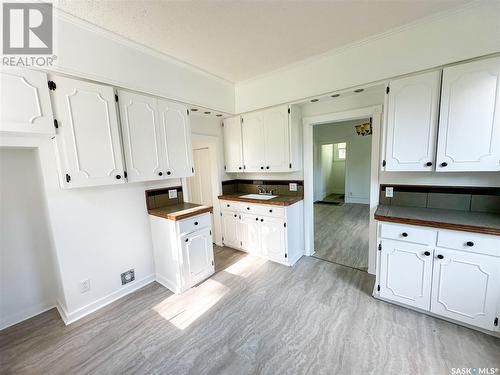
276	137
141	136
25	102
412	121
233	146
88	139
254	147
176	139
469	128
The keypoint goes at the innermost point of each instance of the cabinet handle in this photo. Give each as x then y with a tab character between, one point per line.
440	256
227	205
404	234
118	176
267	167
160	173
239	168
261	219
235	215
248	208
470	243
261	167
256	219
444	164
270	210
169	173
427	253
186	239
195	223
428	164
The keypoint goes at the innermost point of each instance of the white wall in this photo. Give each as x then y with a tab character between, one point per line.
87	51
358	159
471	31
27	265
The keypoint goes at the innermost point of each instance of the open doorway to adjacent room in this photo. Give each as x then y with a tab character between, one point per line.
342	164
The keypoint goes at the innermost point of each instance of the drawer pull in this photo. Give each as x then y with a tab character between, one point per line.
195	223
404	234
186	239
160	173
428	164
470	243
270	210
235	215
169	173
248	208
256	219
444	164
228	205
440	256
427	253
261	219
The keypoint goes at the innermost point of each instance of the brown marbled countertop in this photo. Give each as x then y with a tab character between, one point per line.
180	211
479	222
280	200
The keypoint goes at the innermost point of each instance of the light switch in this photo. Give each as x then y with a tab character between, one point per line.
172	193
293	186
389	192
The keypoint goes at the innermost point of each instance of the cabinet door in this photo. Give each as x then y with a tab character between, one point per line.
412	110
469	127
406	273
233	146
230	229
197	256
250	234
252	130
141	136
25	102
88	140
276	139
176	139
465	287
273	240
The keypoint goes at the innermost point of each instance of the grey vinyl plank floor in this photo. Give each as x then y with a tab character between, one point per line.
252	317
341	233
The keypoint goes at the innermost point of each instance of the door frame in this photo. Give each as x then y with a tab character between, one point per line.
345	167
210	142
373	112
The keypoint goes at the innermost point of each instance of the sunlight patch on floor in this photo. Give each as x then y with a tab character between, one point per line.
245	266
184	309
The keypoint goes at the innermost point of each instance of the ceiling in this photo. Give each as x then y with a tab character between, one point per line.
238	40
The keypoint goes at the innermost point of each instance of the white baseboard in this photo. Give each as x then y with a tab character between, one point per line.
167	284
357	200
25	314
72	316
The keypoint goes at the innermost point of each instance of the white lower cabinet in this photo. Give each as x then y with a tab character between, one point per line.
183	255
406	271
455	275
275	233
466	287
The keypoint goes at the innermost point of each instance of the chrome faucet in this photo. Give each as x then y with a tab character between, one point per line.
261	190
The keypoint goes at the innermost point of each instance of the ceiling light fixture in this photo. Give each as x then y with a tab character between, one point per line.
207	112
314	100
359	90
335	95
194	109
218	115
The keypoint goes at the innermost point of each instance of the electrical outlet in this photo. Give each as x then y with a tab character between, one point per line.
293	186
128	276
172	193
389	192
84	286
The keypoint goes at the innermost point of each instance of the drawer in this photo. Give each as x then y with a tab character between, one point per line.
194	223
265	210
471	242
231	206
408	233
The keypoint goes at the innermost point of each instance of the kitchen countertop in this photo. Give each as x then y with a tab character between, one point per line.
280	200
479	222
180	211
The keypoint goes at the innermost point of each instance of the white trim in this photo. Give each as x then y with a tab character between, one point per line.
73	316
25	314
374	112
170	285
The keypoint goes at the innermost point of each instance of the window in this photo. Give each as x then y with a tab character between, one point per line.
340	151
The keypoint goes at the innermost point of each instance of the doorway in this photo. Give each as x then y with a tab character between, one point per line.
331	167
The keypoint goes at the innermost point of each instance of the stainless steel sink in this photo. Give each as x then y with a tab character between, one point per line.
263	197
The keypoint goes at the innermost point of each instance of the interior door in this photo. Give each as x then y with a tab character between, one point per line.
25	102
197	256
250	234
412	122
466	287
469	125
277	139
252	130
273	239
406	273
141	136
230	229
176	139
233	145
88	139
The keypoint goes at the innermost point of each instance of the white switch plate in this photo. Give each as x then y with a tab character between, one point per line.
172	193
84	286
389	192
293	186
